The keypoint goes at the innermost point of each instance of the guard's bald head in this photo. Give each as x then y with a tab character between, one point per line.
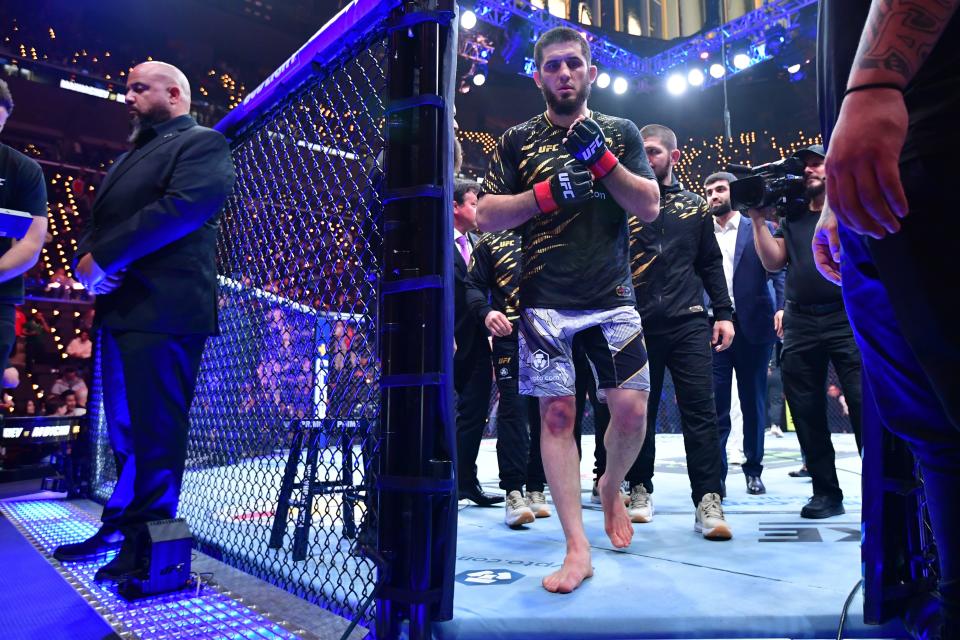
156	92
167	74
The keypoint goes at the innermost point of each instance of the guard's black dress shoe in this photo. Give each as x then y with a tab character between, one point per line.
820	506
121	566
476	495
799	473
107	539
755	486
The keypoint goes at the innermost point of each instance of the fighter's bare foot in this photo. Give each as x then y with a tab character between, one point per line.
576	568
616	520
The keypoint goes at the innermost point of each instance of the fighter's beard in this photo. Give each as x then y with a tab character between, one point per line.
566	106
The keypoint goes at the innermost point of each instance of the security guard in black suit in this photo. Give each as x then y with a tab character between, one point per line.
472	365
149	255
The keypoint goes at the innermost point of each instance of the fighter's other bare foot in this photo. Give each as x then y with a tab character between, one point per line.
576	568
616	520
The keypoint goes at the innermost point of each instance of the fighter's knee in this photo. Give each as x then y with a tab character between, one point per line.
558	414
634	421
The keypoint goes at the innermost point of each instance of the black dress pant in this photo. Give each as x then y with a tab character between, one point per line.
776	407
148	385
684	349
513	436
472	381
749	361
810	342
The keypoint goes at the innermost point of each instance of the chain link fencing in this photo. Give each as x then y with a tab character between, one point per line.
283	433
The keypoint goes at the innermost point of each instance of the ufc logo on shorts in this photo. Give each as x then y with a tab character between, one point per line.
565	184
589	151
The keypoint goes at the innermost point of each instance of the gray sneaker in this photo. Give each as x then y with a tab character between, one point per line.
640	508
538	504
710	521
595	495
516	511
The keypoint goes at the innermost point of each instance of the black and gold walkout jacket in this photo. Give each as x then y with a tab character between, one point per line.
494	280
673	259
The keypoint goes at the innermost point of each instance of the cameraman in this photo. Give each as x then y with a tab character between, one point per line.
815	331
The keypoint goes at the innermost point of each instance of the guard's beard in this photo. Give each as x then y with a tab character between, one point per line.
141	121
720	210
134	129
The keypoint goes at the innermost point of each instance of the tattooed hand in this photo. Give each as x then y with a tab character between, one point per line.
863	173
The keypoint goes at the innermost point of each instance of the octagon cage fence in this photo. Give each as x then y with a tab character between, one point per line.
321	419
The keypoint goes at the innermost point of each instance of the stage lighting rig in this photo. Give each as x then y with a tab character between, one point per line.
477	48
757	36
500	12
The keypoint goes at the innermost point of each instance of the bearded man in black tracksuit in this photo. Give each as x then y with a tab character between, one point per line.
673	259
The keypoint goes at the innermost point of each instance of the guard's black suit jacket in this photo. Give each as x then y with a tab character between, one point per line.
469	333
156	216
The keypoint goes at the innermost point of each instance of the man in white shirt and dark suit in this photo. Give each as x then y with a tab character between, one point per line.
756	317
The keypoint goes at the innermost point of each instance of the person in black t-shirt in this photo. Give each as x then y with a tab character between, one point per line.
566	179
23	189
815	331
889	94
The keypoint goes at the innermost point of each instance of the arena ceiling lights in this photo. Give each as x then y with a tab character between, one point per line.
701	56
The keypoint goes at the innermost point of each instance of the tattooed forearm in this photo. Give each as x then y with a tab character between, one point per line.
898	37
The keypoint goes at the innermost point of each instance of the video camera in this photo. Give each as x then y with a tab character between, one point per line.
779	184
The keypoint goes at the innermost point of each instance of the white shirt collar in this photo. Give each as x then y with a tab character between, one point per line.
732	224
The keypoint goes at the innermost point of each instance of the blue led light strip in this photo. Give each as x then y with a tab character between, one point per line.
182	614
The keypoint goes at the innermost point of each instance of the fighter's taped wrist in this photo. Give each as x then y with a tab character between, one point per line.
604	165
544	197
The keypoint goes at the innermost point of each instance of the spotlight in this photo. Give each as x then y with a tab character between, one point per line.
480	77
603	80
741	61
676	84
704	55
620	86
717	70
793	68
468	20
695	77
